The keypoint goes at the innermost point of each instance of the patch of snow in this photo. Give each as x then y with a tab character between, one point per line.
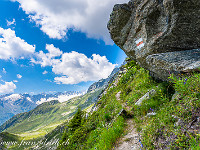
64	98
13	97
42	100
29	99
60	98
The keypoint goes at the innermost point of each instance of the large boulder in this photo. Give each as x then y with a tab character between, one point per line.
180	62
146	27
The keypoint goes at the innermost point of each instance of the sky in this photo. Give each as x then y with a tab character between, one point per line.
49	46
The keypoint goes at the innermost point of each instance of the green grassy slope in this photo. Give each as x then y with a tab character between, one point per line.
7	139
46	117
174	125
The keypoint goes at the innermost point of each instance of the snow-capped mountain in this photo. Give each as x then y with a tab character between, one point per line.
12	104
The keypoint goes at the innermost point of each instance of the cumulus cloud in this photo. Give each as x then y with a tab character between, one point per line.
12	47
45	72
56	17
74	67
9	23
48	59
19	76
8	87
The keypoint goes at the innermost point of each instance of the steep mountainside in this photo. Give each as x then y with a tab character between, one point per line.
165	114
103	82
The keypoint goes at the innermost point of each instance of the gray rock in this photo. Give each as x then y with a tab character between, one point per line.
180	122
174	62
147	96
151	114
146	27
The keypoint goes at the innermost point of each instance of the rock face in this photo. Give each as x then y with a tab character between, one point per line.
145	27
164	64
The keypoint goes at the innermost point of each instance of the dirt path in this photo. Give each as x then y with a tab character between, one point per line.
131	140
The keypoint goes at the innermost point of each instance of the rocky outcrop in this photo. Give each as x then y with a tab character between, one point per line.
164	64
147	96
143	28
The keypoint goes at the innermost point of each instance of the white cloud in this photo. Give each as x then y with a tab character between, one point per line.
53	51
75	67
45	72
12	47
8	87
4	71
56	17
19	76
47	59
9	23
15	81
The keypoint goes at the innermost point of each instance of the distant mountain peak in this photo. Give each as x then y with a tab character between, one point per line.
13	97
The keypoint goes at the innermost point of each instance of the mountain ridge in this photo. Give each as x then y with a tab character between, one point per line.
12	104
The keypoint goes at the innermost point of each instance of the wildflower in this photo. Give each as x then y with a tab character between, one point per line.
151	109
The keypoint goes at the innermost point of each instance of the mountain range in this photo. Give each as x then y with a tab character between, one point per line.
12	104
33	116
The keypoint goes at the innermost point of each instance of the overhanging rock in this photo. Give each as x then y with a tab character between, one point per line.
146	27
178	62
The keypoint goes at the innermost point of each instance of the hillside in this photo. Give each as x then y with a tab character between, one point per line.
12	104
165	115
7	137
167	118
46	116
48	120
151	102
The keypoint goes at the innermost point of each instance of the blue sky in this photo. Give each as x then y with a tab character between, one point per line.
53	46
